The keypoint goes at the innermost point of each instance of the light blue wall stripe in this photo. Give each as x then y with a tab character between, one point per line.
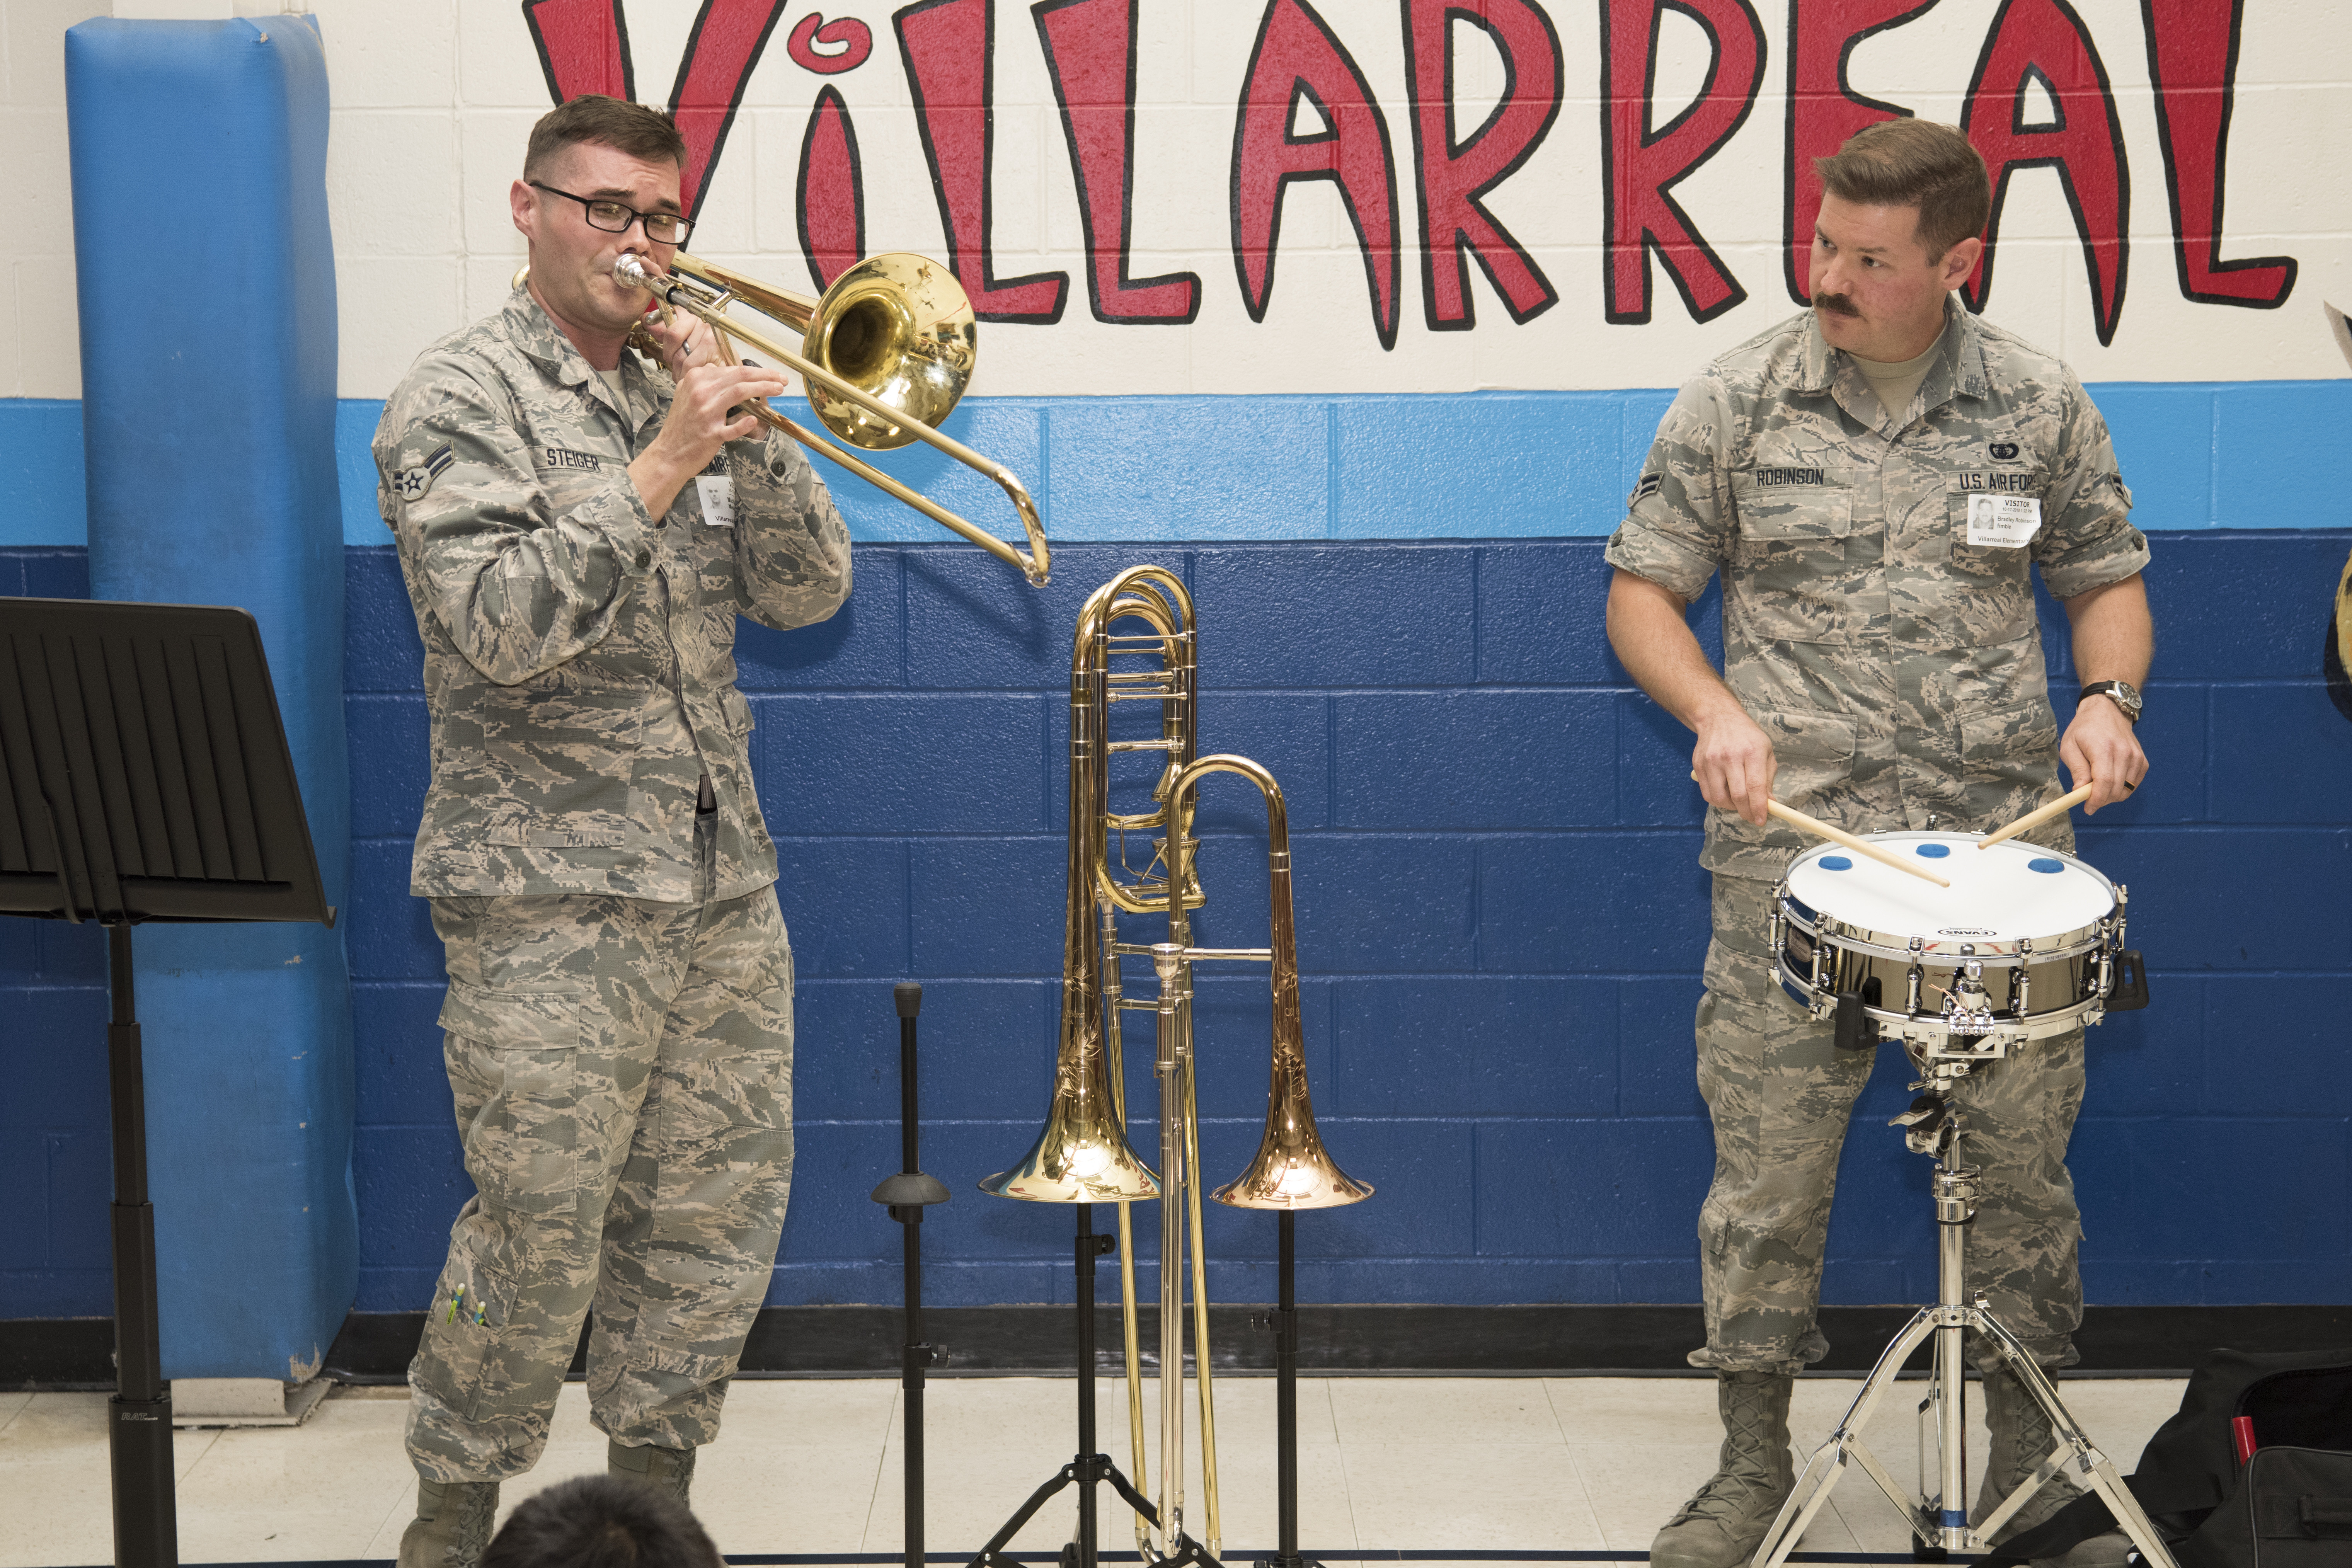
1478	465
43	497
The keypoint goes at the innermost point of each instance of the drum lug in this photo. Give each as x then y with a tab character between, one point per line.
2128	992
1857	1029
1820	973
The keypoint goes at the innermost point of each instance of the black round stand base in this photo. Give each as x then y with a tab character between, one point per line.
1923	1552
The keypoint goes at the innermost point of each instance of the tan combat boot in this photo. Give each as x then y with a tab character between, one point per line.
2020	1437
452	1524
672	1469
1722	1526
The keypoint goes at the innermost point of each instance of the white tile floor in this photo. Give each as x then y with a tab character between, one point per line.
1585	1464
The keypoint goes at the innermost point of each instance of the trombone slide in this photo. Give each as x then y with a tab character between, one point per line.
670	291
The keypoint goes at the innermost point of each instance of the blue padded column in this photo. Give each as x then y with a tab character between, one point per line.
208	296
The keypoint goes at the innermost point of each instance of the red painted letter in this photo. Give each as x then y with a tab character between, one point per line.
1296	57
584	46
1090	54
2192	58
720	51
855	39
833	193
1824	108
1455	173
1640	166
2044	42
950	49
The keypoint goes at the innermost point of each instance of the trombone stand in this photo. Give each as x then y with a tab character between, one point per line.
909	1194
1939	1523
1090	1467
1284	1323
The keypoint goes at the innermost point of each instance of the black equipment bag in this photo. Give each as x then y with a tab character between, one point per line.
2289	1507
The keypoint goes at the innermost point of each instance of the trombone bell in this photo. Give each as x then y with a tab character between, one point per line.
899	328
1292	1170
1082	1157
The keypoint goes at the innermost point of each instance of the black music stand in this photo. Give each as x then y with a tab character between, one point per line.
1091	1468
907	1194
143	776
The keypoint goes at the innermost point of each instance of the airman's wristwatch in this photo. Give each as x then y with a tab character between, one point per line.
2122	693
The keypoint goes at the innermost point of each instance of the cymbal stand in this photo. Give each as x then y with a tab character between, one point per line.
1940	1523
1091	1466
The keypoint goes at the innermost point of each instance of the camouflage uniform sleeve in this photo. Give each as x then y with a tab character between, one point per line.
2086	540
519	587
1677	526
792	549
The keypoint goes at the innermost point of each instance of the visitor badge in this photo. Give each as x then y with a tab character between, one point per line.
718	492
2005	522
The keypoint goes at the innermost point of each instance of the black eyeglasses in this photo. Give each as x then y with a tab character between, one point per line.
614	218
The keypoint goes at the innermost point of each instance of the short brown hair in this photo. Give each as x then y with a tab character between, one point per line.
601	1521
1914	163
630	128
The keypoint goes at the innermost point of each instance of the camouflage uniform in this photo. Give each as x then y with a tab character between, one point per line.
1898	670
618	1022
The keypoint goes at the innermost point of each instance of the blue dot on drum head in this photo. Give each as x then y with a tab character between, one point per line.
1934	851
1836	863
2045	864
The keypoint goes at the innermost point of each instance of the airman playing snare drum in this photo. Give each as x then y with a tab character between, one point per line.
2026	944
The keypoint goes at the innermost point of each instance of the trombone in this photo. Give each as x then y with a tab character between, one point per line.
1084	1156
886	352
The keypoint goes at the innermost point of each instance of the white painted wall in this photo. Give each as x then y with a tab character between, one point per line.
434	100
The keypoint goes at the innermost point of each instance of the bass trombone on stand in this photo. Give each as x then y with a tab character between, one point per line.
886	352
1084	1157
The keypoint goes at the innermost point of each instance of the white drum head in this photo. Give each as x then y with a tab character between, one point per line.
2000	894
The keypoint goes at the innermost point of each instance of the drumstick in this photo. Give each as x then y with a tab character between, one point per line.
1819	829
2058	807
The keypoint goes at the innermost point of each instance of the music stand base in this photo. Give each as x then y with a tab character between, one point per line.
1090	1468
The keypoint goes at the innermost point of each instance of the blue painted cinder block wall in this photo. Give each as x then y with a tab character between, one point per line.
1501	921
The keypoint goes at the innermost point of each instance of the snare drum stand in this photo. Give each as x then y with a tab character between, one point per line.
1939	1523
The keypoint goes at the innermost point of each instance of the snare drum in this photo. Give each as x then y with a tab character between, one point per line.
2025	944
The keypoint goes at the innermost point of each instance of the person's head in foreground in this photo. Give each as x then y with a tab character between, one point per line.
601	1521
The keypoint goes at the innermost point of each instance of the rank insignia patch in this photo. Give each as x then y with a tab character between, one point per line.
411	483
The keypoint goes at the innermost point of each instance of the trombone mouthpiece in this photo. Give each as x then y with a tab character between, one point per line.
631	271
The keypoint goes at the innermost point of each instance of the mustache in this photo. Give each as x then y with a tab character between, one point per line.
1841	303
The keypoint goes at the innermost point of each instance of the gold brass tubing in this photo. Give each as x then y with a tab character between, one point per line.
1174	1172
1114	999
1034	566
913	498
1199	1291
1187	1135
796	311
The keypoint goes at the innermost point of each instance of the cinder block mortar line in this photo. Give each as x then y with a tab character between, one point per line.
1689	830
1257	1119
770	693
